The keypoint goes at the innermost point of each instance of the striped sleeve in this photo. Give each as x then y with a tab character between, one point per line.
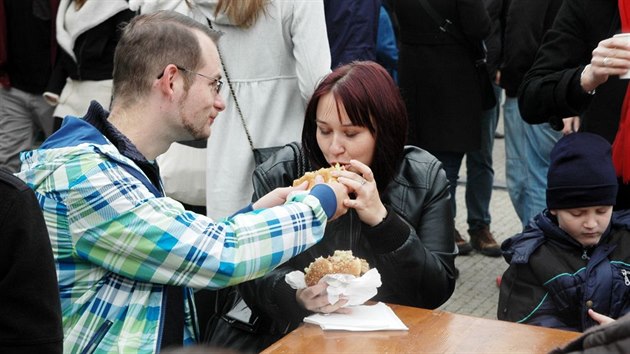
116	223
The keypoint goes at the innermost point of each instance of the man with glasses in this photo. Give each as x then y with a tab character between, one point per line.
127	256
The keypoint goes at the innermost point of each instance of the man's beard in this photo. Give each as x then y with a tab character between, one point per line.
196	133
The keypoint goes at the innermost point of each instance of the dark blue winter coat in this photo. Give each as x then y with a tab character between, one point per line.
552	280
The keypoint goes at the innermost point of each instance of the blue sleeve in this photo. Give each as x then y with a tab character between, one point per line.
326	197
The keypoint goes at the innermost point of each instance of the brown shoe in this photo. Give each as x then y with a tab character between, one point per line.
483	241
463	245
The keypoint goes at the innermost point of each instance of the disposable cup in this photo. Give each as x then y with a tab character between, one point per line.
625	36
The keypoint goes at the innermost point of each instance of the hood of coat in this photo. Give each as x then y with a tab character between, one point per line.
90	15
63	150
517	249
544	227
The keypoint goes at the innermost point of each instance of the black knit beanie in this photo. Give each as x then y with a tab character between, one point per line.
581	173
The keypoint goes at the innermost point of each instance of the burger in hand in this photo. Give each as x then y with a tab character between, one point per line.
326	174
341	262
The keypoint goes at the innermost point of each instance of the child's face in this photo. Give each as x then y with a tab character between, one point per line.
586	225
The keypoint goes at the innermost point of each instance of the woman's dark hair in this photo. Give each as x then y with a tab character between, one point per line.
371	99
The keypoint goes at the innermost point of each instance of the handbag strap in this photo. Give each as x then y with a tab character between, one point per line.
300	158
229	82
444	24
448	27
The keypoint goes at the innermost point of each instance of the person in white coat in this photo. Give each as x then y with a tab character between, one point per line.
274	52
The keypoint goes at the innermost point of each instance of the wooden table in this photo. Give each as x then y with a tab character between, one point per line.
431	331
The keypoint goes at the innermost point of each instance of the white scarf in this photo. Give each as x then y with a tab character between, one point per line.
93	13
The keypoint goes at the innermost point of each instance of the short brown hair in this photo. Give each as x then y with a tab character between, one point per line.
148	44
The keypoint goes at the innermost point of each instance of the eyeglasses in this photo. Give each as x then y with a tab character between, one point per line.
216	82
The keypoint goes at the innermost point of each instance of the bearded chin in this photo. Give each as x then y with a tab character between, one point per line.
195	133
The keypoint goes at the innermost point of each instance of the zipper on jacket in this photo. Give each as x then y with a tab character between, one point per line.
97	338
585	255
626	280
158	346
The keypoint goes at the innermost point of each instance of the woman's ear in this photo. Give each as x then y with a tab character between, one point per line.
553	212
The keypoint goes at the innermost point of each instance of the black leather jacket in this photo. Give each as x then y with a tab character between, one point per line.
413	249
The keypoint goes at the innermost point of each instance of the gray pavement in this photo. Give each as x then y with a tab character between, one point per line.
476	292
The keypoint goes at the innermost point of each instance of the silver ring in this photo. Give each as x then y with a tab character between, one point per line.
605	61
363	181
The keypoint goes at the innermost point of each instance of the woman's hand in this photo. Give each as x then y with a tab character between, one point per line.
611	57
367	203
315	299
599	318
277	196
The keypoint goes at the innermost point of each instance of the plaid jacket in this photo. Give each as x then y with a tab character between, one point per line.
117	241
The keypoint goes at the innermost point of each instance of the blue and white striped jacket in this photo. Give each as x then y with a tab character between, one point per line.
118	241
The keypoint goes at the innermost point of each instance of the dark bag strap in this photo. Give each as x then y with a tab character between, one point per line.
229	82
300	158
445	25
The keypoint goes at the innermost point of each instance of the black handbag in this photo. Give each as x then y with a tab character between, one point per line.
477	49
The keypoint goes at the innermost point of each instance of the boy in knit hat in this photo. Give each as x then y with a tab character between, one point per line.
571	264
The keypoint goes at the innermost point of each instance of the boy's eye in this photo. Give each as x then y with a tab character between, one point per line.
576	213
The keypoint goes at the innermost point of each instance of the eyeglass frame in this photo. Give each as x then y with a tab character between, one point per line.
218	83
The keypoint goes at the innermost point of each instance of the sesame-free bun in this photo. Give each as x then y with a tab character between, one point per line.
326	174
341	262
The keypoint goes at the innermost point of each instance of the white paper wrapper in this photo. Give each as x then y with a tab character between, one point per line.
356	290
379	317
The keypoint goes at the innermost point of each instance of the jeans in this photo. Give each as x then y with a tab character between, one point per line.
479	171
451	162
527	149
22	116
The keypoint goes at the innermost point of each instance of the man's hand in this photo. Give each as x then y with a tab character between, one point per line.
277	196
570	125
341	193
610	58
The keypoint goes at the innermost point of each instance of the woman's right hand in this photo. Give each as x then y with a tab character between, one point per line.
315	299
611	57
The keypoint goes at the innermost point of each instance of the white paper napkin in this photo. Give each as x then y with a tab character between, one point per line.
377	317
356	290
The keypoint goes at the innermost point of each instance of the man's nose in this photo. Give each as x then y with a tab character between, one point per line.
219	102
